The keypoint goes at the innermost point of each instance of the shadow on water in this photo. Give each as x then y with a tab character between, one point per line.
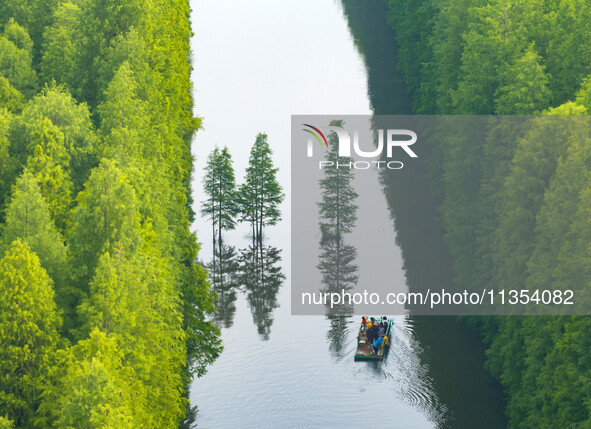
451	352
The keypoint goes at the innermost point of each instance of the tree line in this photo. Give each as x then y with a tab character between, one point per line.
515	211
103	309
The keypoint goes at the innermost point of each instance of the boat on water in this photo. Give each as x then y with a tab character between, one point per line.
365	350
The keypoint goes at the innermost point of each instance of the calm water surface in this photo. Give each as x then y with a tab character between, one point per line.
256	63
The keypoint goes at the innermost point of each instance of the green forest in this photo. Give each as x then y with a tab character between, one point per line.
515	212
103	308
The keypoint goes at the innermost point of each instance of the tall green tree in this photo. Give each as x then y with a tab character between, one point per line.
53	138
106	214
28	332
260	194
121	107
16	66
481	57
33	15
73	120
11	98
55	184
558	210
132	296
62	43
566	55
39	146
100	22
130	48
92	388
28	218
525	89
220	205
532	168
18	35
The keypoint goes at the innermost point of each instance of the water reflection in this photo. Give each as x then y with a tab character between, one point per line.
451	350
376	42
338	214
226	285
257	274
223	283
260	273
289	381
412	377
337	263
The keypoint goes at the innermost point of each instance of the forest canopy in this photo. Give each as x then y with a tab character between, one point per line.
516	212
98	280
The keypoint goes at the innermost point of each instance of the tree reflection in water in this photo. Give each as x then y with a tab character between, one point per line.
226	285
256	273
260	273
338	215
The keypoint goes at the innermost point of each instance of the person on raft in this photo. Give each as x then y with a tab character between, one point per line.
377	344
368	330
363	323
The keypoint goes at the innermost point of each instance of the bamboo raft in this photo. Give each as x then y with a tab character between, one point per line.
365	348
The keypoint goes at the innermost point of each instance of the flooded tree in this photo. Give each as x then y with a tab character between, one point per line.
260	195
220	205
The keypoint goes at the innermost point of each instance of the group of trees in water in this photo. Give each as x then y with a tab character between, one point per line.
256	202
515	210
103	310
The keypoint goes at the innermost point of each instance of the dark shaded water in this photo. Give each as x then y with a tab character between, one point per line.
256	63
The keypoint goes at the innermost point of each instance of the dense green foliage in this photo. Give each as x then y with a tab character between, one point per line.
29	332
516	211
103	309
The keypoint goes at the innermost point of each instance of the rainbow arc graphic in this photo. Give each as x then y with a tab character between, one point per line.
316	133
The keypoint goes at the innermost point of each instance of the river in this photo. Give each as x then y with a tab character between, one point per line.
255	64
